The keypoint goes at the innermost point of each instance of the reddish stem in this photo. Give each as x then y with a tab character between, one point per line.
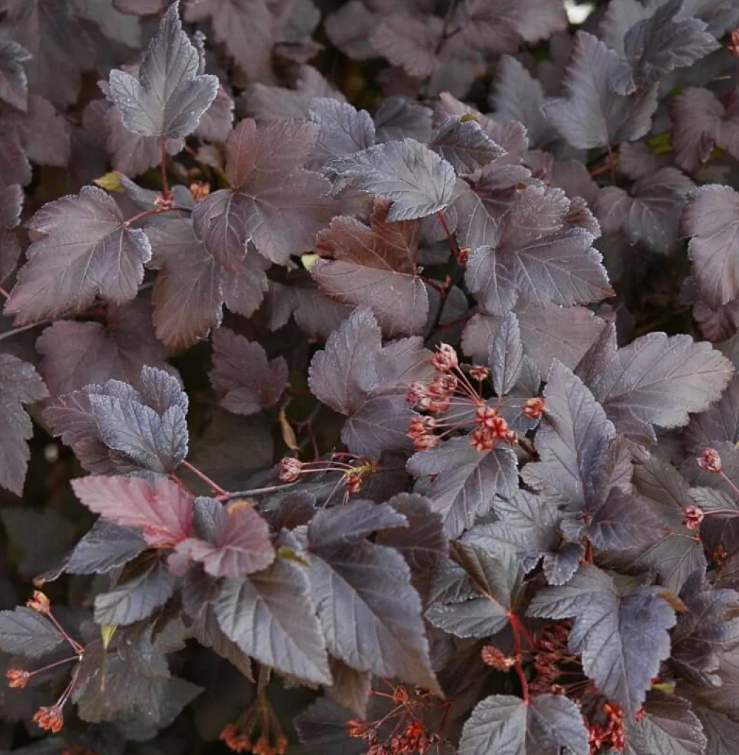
449	234
215	487
516	626
4	293
729	483
149	213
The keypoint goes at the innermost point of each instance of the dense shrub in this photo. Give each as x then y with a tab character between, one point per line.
385	423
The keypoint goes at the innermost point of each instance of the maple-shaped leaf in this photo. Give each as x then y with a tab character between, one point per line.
161	508
506	355
150	429
374	267
358	377
548	333
720	423
75	354
27	633
170	94
242	376
267	103
701	122
13	80
45	30
271	616
43	134
11	206
518	96
661	43
479	206
198	593
19	384
650	212
591	115
531	525
669	726
273	201
353	577
496	585
231	541
410	42
678	554
573	442
508	725
105	547
464	144
421	541
535	256
709	219
115	428
344	130
707	629
658	380
245	27
417	180
143	587
398	118
192	286
461	482
85	250
621	635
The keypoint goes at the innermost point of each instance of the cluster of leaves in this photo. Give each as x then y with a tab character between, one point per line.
397	408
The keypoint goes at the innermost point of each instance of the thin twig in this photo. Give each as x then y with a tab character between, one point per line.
255	491
214	486
15	331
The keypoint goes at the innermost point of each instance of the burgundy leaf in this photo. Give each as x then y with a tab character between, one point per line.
242	376
273	201
375	268
161	508
19	384
85	250
239	542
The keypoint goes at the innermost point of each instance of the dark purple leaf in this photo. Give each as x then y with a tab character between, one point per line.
273	201
464	480
702	122
344	130
45	30
622	637
243	378
359	378
374	267
75	354
506	355
245	27
534	256
650	212
352	577
105	547
659	44
141	590
409	42
563	333
507	725
28	633
170	94
573	442
464	145
85	250
43	134
669	726
322	728
659	380
19	384
161	508
720	423
13	81
591	115
710	220
239	542
271	617
399	118
418	181
518	96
